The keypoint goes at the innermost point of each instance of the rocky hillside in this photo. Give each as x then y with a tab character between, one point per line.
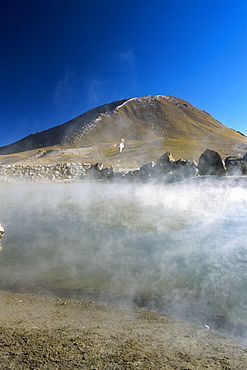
149	125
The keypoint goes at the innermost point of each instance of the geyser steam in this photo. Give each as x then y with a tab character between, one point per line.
178	249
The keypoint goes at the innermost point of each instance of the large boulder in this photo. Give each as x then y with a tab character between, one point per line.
182	169
163	164
94	171
236	166
210	163
147	170
99	172
172	171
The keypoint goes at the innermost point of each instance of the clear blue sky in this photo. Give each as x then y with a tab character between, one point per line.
60	58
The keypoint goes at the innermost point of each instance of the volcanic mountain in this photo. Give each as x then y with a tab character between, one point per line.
149	126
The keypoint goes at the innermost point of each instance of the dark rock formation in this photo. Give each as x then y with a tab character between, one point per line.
210	163
236	166
98	171
182	169
147	170
173	171
163	164
166	170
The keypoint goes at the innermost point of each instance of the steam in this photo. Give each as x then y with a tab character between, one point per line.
178	249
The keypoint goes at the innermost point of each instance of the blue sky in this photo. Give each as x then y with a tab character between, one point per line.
61	58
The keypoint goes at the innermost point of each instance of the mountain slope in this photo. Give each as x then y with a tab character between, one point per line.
149	125
59	134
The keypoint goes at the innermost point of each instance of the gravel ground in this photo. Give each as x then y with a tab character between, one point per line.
38	332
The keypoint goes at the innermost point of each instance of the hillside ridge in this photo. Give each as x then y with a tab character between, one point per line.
57	134
150	125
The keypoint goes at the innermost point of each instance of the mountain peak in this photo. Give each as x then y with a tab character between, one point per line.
152	124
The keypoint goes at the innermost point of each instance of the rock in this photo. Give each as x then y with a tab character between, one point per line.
1	231
119	176
163	164
133	176
147	170
56	172
171	171
166	170
94	172
183	169
107	172
1	235
98	171
236	166
210	163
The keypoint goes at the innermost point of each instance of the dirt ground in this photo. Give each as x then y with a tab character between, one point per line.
38	332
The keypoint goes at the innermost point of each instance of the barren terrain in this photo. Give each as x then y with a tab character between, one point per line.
40	332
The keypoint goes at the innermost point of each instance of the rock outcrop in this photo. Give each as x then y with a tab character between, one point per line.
210	163
236	166
172	171
164	163
98	171
166	170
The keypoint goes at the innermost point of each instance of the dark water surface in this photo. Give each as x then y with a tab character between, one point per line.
180	250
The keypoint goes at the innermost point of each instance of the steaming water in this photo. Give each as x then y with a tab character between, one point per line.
175	249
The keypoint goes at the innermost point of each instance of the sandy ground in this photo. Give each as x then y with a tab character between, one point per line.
38	332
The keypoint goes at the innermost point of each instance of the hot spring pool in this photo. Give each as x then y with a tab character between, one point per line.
180	250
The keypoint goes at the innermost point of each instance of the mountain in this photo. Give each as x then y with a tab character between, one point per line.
149	126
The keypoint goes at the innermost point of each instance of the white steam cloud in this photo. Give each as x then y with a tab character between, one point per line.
180	250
